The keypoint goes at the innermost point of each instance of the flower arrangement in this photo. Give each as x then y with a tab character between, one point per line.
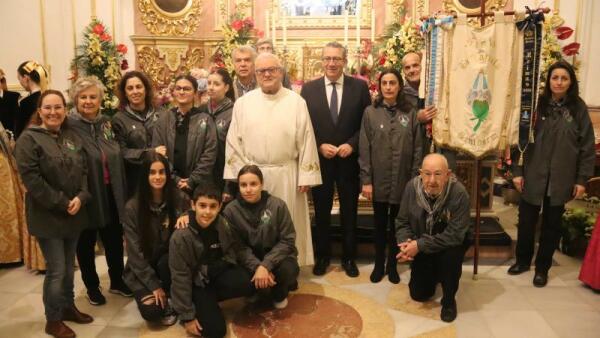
99	56
406	39
238	31
552	51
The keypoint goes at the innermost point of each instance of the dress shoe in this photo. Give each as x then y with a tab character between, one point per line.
58	329
320	266
517	269
72	314
448	313
377	274
540	279
350	267
392	271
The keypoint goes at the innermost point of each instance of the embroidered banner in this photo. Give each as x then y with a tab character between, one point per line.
479	104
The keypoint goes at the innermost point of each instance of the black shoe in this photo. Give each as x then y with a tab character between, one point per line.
540	279
95	297
121	289
320	266
377	274
350	267
392	271
448	313
517	269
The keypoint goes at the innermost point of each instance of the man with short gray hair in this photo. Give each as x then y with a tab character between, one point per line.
270	127
243	64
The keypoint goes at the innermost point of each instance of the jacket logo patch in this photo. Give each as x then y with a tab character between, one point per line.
69	144
203	124
221	124
403	120
265	218
107	131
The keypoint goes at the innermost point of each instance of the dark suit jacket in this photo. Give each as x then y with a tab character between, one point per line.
355	98
9	107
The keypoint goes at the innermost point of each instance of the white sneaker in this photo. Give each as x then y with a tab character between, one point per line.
281	305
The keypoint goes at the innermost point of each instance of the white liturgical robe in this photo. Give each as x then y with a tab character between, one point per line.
274	132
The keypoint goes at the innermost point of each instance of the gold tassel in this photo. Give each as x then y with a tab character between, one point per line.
520	163
531	138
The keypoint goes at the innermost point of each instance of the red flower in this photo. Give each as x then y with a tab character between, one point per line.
382	60
563	32
124	65
571	49
105	37
248	22
121	48
237	25
98	29
260	34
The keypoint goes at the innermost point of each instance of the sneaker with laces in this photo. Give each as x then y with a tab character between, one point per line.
95	297
121	289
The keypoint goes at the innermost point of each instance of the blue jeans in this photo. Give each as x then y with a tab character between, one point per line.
58	282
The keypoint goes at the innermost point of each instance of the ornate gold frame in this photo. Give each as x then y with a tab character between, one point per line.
456	6
162	23
326	21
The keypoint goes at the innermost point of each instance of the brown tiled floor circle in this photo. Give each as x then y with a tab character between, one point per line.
305	316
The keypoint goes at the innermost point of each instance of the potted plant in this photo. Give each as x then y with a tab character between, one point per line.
577	227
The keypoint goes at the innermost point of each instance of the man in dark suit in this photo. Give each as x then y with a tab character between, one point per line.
336	104
9	105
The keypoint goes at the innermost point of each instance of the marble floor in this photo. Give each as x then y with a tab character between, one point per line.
493	305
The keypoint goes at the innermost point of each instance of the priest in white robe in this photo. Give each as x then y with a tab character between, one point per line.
271	128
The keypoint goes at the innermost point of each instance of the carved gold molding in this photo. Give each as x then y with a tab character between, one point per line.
160	22
222	10
325	21
163	62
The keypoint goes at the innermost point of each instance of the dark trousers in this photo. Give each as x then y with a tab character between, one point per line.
385	231
59	254
348	188
443	267
286	275
232	282
549	235
112	239
153	312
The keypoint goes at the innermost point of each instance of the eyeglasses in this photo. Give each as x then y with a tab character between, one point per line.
329	59
270	70
435	174
55	108
184	89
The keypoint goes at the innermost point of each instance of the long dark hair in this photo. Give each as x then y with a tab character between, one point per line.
401	103
572	95
143	196
147	86
227	80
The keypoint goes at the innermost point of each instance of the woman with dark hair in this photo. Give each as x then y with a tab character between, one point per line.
189	136
106	181
389	156
220	105
554	170
34	79
150	218
264	229
134	123
52	164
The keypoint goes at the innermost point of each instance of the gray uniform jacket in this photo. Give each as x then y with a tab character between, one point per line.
134	134
562	155
53	169
455	220
185	253
222	116
389	152
99	141
201	146
264	230
139	273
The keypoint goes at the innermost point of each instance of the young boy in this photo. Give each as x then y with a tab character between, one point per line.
203	270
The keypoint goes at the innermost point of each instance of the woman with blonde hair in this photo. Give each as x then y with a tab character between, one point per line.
106	182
